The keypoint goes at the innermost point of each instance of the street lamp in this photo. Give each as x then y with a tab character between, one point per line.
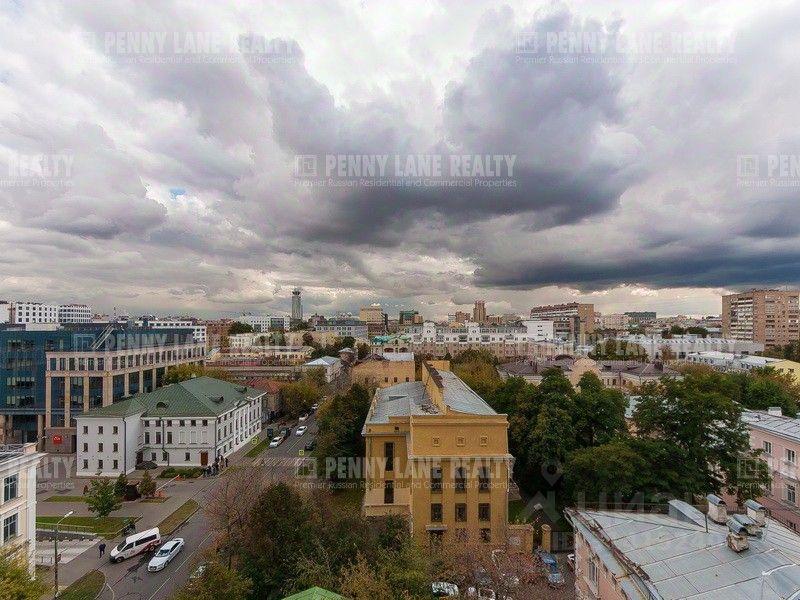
55	552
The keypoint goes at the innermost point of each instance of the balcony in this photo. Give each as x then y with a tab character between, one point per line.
373	505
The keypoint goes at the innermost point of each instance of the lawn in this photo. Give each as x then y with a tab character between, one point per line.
105	526
85	588
185	472
258	448
176	519
65	499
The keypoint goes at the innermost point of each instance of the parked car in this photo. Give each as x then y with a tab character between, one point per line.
135	544
165	555
442	589
302	418
198	572
311	445
314	407
276	441
300	430
554	576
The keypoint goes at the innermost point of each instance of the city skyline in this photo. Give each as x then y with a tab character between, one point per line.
162	197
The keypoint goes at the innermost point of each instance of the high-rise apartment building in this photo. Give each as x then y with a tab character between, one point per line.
74	313
770	317
297	305
479	311
573	320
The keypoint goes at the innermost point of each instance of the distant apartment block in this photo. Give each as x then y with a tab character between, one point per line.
503	341
573	320
612	321
375	318
680	346
384	370
18	465
355	328
728	361
769	317
479	311
638	317
22	313
199	332
264	323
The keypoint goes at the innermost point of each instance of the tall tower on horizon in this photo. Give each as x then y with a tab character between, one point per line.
297	305
479	312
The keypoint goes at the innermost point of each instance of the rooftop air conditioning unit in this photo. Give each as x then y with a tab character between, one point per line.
737	536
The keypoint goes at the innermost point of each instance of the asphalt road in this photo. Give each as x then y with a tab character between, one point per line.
130	580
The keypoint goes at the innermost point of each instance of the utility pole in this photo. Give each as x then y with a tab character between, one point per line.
55	553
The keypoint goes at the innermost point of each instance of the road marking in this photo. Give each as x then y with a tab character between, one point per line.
203	541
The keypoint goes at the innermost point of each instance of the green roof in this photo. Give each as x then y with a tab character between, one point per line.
315	593
197	397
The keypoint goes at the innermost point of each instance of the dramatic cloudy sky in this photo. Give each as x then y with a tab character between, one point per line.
161	180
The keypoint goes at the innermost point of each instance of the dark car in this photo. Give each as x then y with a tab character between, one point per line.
554	576
311	445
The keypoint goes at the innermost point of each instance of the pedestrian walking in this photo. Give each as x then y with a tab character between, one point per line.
102	549
226	462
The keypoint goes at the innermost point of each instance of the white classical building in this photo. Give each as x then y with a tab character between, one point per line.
330	364
185	424
18	465
532	330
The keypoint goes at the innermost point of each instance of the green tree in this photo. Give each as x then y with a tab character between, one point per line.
308	339
700	416
121	485
190	371
298	396
16	582
102	498
363	350
340	421
217	581
599	412
238	327
147	486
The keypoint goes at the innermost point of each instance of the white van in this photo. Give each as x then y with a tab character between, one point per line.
136	544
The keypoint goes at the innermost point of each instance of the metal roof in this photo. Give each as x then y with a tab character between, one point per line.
197	397
683	561
777	424
462	398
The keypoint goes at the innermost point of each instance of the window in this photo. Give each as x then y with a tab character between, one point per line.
205	423
169	437
437	441
790	456
767	447
791	494
115	430
116	447
388	493
388	453
461	513
146	437
436	478
483	479
100	430
100	447
187	457
460	480
436	513
164	456
10	488
9	527
116	465
100	465
593	573
85	464
484	511
461	441
192	422
85	429
85	447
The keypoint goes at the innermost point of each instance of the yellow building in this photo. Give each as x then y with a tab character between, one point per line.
438	454
384	371
787	366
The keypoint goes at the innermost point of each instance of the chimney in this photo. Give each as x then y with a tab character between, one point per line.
737	536
717	510
775	411
750	526
756	512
